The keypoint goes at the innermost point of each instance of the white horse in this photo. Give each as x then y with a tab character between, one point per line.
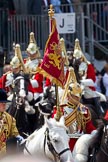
81	149
50	141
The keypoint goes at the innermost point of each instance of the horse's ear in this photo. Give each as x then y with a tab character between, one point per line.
48	123
62	120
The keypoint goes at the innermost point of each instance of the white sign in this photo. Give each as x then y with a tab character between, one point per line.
65	22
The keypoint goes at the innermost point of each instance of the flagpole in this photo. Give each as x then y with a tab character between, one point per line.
58	113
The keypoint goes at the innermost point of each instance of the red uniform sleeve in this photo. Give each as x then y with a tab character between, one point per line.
39	78
89	127
91	74
89	124
3	81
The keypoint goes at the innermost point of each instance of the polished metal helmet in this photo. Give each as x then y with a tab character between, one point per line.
32	47
77	50
75	89
15	62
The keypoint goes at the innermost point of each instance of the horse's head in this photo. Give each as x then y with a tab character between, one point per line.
50	141
20	88
57	140
46	107
49	92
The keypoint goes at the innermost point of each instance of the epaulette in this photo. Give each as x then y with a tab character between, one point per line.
82	108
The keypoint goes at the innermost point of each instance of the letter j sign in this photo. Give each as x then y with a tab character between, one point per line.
65	22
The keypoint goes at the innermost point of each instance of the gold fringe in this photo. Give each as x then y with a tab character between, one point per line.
45	74
82	120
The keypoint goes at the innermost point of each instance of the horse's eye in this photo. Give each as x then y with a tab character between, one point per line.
55	140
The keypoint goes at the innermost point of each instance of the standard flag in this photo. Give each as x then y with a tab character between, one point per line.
52	65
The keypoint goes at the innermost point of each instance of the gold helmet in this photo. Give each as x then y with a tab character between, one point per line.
15	62
75	89
32	47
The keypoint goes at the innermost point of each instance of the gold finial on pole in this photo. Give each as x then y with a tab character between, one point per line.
51	11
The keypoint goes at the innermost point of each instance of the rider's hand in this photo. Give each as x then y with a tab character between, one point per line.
20	138
9	80
29	109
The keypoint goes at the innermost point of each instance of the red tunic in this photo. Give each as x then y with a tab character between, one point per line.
39	78
106	115
91	74
89	127
47	82
2	83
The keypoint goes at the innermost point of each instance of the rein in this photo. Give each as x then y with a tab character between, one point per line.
27	150
104	151
51	147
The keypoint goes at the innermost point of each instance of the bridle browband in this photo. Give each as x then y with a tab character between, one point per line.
51	147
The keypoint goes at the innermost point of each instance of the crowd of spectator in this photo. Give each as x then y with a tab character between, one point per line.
101	83
35	6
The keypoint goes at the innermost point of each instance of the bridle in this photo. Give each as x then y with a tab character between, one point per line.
51	147
105	137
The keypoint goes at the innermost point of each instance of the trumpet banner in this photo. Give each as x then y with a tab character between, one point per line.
52	65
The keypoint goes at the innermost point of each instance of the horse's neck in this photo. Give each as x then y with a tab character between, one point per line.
36	143
37	136
103	139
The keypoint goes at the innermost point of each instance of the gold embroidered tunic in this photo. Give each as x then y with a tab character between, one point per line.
7	129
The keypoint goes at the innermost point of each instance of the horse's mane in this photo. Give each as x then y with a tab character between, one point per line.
57	123
26	76
96	140
53	122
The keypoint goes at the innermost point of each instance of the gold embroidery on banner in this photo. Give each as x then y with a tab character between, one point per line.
47	66
55	58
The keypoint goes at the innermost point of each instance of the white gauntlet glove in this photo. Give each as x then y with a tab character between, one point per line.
22	93
9	82
29	109
9	79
